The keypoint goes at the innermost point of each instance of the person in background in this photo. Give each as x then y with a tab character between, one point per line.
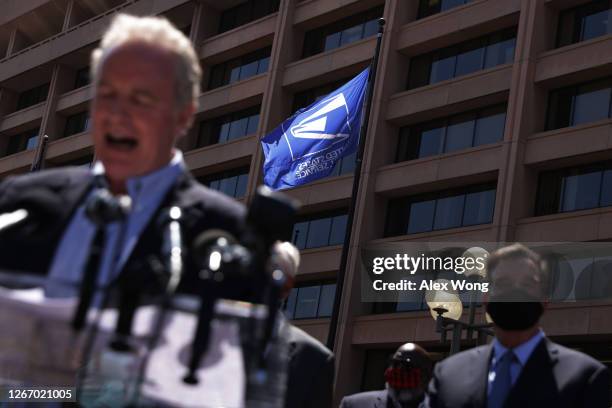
405	381
521	367
311	365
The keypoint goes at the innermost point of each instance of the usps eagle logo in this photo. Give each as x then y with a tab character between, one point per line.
316	126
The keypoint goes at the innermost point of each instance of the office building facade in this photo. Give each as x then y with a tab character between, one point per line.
490	122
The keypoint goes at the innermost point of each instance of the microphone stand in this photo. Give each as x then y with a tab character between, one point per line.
102	208
173	244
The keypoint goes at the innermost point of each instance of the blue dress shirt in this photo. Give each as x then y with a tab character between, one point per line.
522	352
147	193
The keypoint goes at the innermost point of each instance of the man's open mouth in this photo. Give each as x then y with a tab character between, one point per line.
118	142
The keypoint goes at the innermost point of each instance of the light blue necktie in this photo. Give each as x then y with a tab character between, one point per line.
502	382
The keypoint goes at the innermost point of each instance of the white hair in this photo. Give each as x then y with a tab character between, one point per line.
289	257
159	32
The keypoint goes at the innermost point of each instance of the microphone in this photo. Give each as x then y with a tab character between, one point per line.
101	208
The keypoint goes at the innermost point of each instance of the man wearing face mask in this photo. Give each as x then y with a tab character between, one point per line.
521	367
405	381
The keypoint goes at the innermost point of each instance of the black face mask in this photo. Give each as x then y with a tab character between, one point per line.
516	315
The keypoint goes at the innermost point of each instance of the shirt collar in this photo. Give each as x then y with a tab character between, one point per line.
151	182
522	352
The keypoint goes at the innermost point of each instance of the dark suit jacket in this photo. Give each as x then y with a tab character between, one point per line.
370	399
311	371
554	376
59	192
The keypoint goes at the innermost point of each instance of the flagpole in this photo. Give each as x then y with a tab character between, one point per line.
333	325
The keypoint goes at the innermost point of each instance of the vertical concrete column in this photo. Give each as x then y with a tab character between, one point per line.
517	184
69	17
17	42
350	359
275	98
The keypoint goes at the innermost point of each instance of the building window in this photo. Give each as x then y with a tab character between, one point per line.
462	59
579	104
32	96
574	189
438	211
310	301
319	231
76	123
246	12
228	127
82	78
27	140
457	132
239	68
430	7
584	22
341	32
233	182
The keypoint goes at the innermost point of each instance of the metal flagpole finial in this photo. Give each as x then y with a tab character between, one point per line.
381	24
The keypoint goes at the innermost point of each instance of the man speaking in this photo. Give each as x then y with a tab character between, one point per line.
146	81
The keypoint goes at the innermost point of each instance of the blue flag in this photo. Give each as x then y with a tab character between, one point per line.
307	146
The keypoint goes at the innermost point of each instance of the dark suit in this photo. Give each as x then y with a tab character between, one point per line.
370	399
554	376
59	192
311	370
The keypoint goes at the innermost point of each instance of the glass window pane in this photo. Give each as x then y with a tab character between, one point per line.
595	25
459	133
580	191
479	207
449	4
234	75
318	233
332	41
249	70
431	141
606	189
241	185
351	34
338	229
591	104
307	302
32	143
238	128
326	303
469	61
253	123
224	132
228	186
442	69
371	28
490	129
421	216
449	211
500	53
347	164
290	304
299	235
560	108
263	65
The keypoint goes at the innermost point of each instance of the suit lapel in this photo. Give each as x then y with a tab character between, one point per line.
536	384
480	373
